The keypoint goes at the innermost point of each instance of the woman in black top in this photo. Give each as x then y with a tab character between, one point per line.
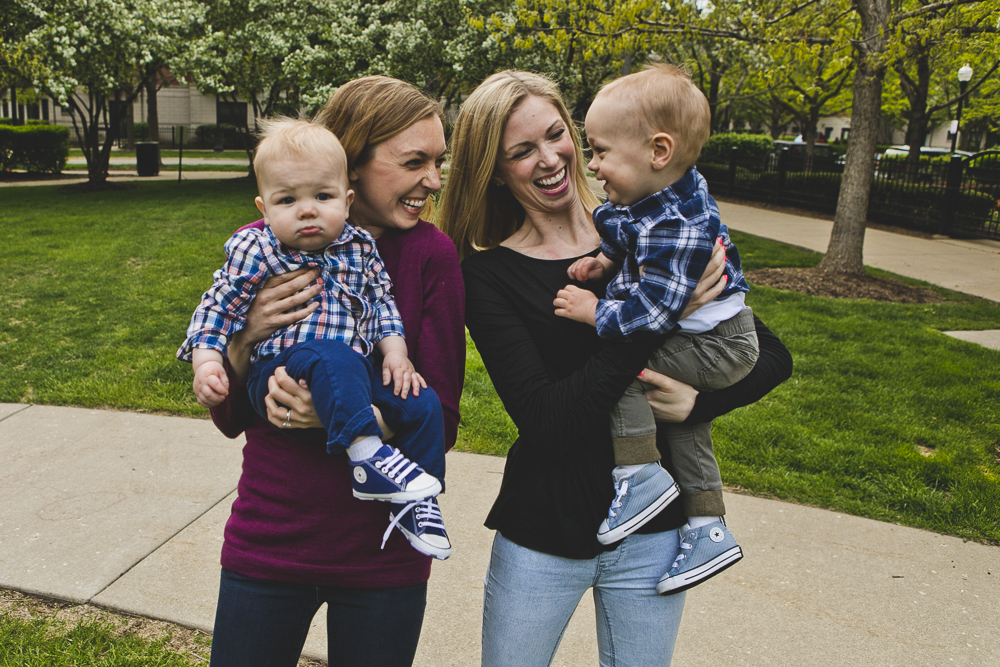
518	208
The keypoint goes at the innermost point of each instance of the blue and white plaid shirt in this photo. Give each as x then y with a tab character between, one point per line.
663	244
355	304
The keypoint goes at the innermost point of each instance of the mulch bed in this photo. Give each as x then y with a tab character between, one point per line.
842	285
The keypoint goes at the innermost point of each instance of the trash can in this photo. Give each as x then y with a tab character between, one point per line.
147	158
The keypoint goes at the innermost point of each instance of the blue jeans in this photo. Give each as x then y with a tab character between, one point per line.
530	597
344	387
262	623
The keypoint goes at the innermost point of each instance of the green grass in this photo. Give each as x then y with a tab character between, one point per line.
884	417
50	642
190	152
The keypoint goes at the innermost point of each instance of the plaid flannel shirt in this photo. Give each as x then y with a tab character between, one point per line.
355	304
663	244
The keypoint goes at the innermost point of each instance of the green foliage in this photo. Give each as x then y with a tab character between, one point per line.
34	148
54	643
719	147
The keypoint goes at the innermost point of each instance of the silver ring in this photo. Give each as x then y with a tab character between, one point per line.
288	419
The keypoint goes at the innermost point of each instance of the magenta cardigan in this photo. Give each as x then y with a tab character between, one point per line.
295	519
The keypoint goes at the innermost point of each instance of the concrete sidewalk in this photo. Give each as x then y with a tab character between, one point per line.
126	511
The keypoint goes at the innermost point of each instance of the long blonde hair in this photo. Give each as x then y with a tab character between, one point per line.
474	212
367	111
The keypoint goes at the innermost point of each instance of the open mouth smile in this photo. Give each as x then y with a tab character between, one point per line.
414	206
553	184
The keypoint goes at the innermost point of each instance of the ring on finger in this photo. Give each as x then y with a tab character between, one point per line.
288	419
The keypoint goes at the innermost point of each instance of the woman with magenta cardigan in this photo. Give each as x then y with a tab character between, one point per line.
297	537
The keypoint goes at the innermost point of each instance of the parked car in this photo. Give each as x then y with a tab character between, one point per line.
929	151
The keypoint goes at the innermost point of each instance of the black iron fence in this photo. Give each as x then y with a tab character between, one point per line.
958	196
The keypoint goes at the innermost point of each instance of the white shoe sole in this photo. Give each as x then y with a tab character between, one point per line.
694	576
404	496
639	520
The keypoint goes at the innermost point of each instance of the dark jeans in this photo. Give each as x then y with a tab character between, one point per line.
262	623
344	387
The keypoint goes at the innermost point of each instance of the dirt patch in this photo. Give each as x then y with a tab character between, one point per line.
179	639
842	285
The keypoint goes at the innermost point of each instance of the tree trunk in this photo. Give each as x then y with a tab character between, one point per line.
152	113
845	252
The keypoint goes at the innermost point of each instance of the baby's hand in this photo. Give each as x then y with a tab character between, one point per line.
586	268
576	304
211	386
398	369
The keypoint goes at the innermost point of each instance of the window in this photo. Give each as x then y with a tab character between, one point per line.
231	113
844	132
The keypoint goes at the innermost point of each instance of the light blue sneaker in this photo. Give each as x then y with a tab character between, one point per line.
392	477
705	552
638	498
423	526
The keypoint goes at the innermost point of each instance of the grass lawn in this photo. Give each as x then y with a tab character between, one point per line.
884	417
190	152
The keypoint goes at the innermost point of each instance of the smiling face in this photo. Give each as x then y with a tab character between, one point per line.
537	159
305	201
620	157
393	186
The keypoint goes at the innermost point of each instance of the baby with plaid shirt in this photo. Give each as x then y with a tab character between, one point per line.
305	198
658	231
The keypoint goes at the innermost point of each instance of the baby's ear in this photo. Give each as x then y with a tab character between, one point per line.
260	207
662	152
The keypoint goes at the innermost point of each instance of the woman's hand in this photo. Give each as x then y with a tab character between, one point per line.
713	281
289	403
671	400
272	309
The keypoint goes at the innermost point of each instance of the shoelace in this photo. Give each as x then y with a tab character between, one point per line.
425	512
397	466
686	547
621	488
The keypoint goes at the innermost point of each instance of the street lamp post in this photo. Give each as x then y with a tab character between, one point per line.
964	76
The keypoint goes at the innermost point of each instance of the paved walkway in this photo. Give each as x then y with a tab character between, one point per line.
126	511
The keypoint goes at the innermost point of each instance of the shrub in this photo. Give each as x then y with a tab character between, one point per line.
719	147
233	138
34	148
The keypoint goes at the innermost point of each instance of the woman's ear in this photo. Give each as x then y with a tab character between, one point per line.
352	175
663	146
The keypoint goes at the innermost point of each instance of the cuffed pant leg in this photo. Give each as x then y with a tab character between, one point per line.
418	423
633	429
696	470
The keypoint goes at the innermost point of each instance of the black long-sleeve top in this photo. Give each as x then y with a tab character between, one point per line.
558	381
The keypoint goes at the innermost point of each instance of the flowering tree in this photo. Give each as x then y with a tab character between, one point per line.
86	51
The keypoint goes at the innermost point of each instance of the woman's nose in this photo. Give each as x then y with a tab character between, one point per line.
432	179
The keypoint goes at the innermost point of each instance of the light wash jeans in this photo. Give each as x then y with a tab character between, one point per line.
530	597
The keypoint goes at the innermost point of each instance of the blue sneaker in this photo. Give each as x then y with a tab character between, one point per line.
392	477
423	526
638	498
705	552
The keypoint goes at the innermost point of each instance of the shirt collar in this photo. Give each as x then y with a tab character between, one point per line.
671	195
349	233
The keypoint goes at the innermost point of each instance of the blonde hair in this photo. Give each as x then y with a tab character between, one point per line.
476	213
285	138
367	111
666	100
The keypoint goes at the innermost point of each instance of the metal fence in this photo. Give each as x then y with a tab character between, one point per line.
958	197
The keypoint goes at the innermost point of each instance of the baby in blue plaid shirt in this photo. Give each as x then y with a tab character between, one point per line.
658	229
305	198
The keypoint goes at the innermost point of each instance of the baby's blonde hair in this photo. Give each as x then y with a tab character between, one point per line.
665	100
284	138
